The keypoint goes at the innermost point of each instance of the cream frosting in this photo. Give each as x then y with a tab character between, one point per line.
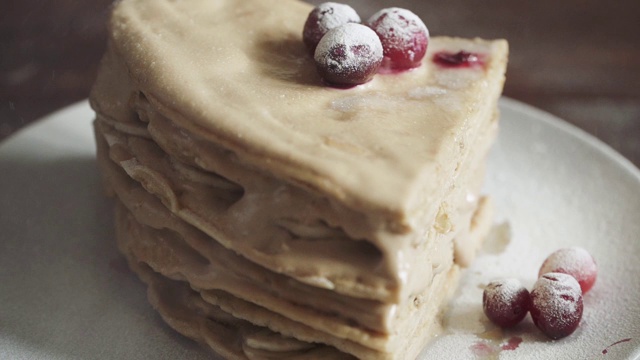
189	57
287	230
180	251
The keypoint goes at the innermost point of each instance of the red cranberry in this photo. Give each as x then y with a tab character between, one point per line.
460	59
506	302
325	17
403	35
574	261
348	55
556	304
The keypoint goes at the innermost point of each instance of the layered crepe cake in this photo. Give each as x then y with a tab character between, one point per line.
271	215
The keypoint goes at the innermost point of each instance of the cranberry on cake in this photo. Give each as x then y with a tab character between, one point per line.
272	214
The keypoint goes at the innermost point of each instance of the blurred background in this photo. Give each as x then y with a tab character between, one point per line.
577	59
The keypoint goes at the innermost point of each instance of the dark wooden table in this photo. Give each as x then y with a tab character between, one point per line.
578	59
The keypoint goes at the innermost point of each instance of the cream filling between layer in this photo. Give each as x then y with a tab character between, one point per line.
384	319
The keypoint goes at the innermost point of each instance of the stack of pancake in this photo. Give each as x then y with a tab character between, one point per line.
275	217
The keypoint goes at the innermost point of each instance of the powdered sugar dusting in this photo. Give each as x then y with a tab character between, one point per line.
504	291
350	35
556	304
403	35
358	102
325	17
426	91
552	288
333	14
506	302
399	25
575	261
349	49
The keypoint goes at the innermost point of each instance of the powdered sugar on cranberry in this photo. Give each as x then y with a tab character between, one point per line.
504	290
349	55
556	304
550	295
403	35
325	17
574	261
506	302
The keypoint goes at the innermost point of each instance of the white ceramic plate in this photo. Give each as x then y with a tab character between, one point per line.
65	293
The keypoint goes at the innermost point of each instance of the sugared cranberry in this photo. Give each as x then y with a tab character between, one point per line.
403	35
506	302
556	304
460	59
325	17
348	55
574	261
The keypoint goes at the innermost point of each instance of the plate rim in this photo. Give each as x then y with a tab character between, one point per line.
573	131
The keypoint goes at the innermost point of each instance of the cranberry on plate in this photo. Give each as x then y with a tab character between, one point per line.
506	302
574	261
556	304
